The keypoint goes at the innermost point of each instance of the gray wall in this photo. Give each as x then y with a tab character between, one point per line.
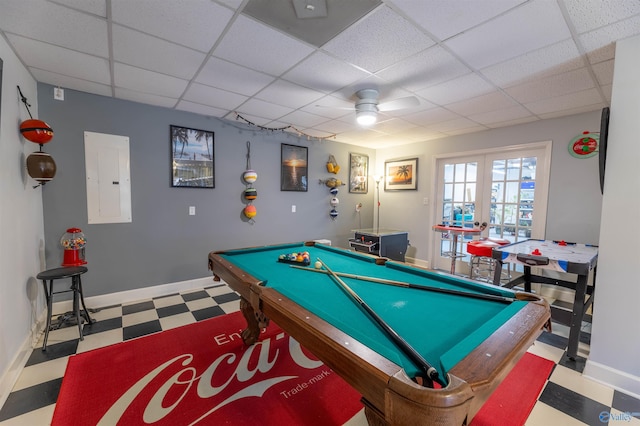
163	244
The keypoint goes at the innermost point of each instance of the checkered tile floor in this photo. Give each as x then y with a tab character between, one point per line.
567	399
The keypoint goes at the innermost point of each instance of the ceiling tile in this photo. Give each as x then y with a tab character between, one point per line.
554	59
553	86
128	77
259	47
604	37
145	98
604	72
489	102
56	25
565	102
201	109
264	109
61	61
427	68
151	53
205	95
288	94
502	115
68	82
428	117
587	15
324	73
533	25
464	87
455	125
196	24
380	40
444	19
302	119
232	77
97	7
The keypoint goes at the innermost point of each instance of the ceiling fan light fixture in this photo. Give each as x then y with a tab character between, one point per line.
366	118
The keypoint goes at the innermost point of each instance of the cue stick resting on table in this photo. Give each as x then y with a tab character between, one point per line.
430	372
492	297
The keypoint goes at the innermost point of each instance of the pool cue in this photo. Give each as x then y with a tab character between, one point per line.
428	369
491	297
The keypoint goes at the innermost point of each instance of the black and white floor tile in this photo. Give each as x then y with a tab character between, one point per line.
567	399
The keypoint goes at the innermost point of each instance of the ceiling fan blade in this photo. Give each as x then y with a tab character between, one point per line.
401	103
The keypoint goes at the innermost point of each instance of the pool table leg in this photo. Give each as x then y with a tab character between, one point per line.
256	321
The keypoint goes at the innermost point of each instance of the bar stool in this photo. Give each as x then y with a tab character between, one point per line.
482	264
74	273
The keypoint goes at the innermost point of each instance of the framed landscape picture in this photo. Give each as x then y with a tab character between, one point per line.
401	174
293	168
358	173
192	158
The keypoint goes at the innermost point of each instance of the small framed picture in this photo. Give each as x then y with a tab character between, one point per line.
293	168
192	158
358	173
401	174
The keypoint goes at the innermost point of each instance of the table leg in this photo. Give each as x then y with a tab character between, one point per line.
454	252
576	316
252	332
497	273
527	279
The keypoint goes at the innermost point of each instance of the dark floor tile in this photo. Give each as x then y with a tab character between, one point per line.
626	403
138	307
143	329
573	404
553	340
172	310
31	398
207	313
54	351
195	295
224	298
102	325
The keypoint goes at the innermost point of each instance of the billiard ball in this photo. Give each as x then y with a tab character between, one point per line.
318	265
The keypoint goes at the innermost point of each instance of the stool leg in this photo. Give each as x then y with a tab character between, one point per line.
49	296
76	305
86	311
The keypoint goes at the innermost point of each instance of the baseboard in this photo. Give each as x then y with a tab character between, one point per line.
619	380
136	294
417	262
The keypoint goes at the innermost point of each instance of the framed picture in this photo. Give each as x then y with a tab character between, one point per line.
293	168
358	173
192	158
401	174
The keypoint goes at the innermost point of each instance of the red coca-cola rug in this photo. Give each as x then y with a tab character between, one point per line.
203	374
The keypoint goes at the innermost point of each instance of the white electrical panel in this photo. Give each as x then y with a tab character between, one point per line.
108	178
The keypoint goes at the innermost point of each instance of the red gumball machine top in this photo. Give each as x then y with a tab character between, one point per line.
73	242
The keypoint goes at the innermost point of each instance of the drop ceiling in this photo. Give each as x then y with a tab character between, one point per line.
473	65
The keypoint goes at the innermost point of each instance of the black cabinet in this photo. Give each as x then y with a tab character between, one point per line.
387	243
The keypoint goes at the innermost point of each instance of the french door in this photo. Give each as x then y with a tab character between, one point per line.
504	192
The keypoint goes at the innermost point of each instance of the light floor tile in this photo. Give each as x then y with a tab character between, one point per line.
217	291
574	381
106	313
162	302
100	340
543	415
195	305
230	307
358	420
178	320
139	317
39	417
63	334
42	372
546	351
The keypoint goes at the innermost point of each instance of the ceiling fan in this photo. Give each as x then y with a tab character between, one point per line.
367	105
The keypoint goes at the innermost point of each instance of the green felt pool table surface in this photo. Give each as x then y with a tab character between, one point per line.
444	328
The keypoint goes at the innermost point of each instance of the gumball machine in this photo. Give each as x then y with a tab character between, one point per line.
73	242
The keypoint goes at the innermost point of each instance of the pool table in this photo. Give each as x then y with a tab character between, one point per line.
471	341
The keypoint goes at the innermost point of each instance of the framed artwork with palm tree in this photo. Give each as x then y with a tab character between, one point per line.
401	174
192	158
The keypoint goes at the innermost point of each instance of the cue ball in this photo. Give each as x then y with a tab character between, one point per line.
318	265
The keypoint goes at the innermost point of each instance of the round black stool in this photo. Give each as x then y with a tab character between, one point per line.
78	315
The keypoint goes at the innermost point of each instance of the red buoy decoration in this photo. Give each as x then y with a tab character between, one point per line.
36	131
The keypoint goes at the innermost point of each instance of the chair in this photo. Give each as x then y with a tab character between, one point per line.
78	315
482	264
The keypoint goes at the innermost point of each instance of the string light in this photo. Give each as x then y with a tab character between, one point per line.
283	129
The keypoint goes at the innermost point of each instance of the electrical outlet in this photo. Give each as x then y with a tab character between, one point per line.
425	201
358	207
192	210
293	208
58	94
